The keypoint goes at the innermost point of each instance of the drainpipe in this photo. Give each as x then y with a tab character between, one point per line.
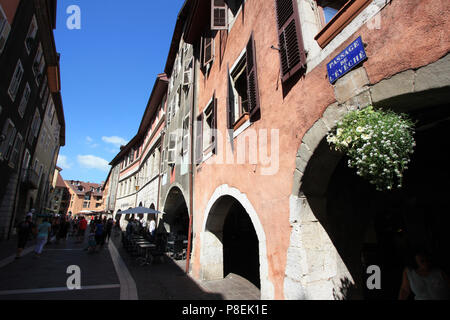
191	170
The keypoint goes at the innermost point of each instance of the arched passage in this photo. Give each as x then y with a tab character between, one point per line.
175	222
229	219
341	225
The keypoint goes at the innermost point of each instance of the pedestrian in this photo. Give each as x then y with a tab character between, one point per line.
63	229
129	229
108	229
91	241
424	280
99	236
24	230
152	229
82	226
42	236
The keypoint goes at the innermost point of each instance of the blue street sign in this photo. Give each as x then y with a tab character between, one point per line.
345	61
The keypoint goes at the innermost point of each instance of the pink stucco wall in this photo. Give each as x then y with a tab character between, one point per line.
413	33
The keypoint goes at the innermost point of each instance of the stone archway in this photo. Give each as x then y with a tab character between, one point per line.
211	237
315	268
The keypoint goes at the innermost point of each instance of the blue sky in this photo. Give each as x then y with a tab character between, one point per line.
108	68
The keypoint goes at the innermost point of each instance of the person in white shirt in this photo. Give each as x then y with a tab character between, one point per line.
152	228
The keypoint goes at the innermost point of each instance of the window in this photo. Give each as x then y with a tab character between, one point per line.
330	8
171	156
25	163
46	96
9	134
32	30
207	126
163	157
24	102
43	88
86	204
238	90
188	71
208	50
15	81
87	196
35	126
290	40
185	142
335	16
219	15
39	64
206	140
5	28
243	92
16	151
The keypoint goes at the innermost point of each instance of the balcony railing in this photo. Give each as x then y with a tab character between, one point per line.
31	179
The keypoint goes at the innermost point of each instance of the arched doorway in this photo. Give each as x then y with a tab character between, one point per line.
240	245
230	242
175	223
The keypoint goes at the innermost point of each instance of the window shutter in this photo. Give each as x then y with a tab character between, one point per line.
214	125
15	81
199	140
230	101
252	78
208	50
16	150
292	51
24	102
172	148
188	68
219	15
9	132
5	29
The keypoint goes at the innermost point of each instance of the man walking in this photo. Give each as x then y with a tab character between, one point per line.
81	229
24	230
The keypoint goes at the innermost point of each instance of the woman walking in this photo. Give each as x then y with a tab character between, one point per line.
42	237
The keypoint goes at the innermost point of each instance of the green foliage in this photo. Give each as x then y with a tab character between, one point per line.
378	143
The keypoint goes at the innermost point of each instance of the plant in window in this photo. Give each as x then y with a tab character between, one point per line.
378	143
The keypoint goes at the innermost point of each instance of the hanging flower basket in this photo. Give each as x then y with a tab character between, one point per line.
378	143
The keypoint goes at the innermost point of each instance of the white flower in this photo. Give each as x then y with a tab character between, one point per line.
359	129
339	132
365	136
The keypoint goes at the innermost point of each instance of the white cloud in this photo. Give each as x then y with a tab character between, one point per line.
63	162
117	141
93	162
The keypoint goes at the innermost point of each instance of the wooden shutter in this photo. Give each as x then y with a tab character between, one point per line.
172	148
199	140
219	15
214	125
252	78
5	29
292	51
208	50
188	70
230	101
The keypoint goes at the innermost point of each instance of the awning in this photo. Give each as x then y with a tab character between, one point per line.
140	210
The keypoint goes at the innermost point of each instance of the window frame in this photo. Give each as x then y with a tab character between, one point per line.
219	8
343	17
32	32
9	132
16	80
24	101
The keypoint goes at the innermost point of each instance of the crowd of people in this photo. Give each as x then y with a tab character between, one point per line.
49	230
